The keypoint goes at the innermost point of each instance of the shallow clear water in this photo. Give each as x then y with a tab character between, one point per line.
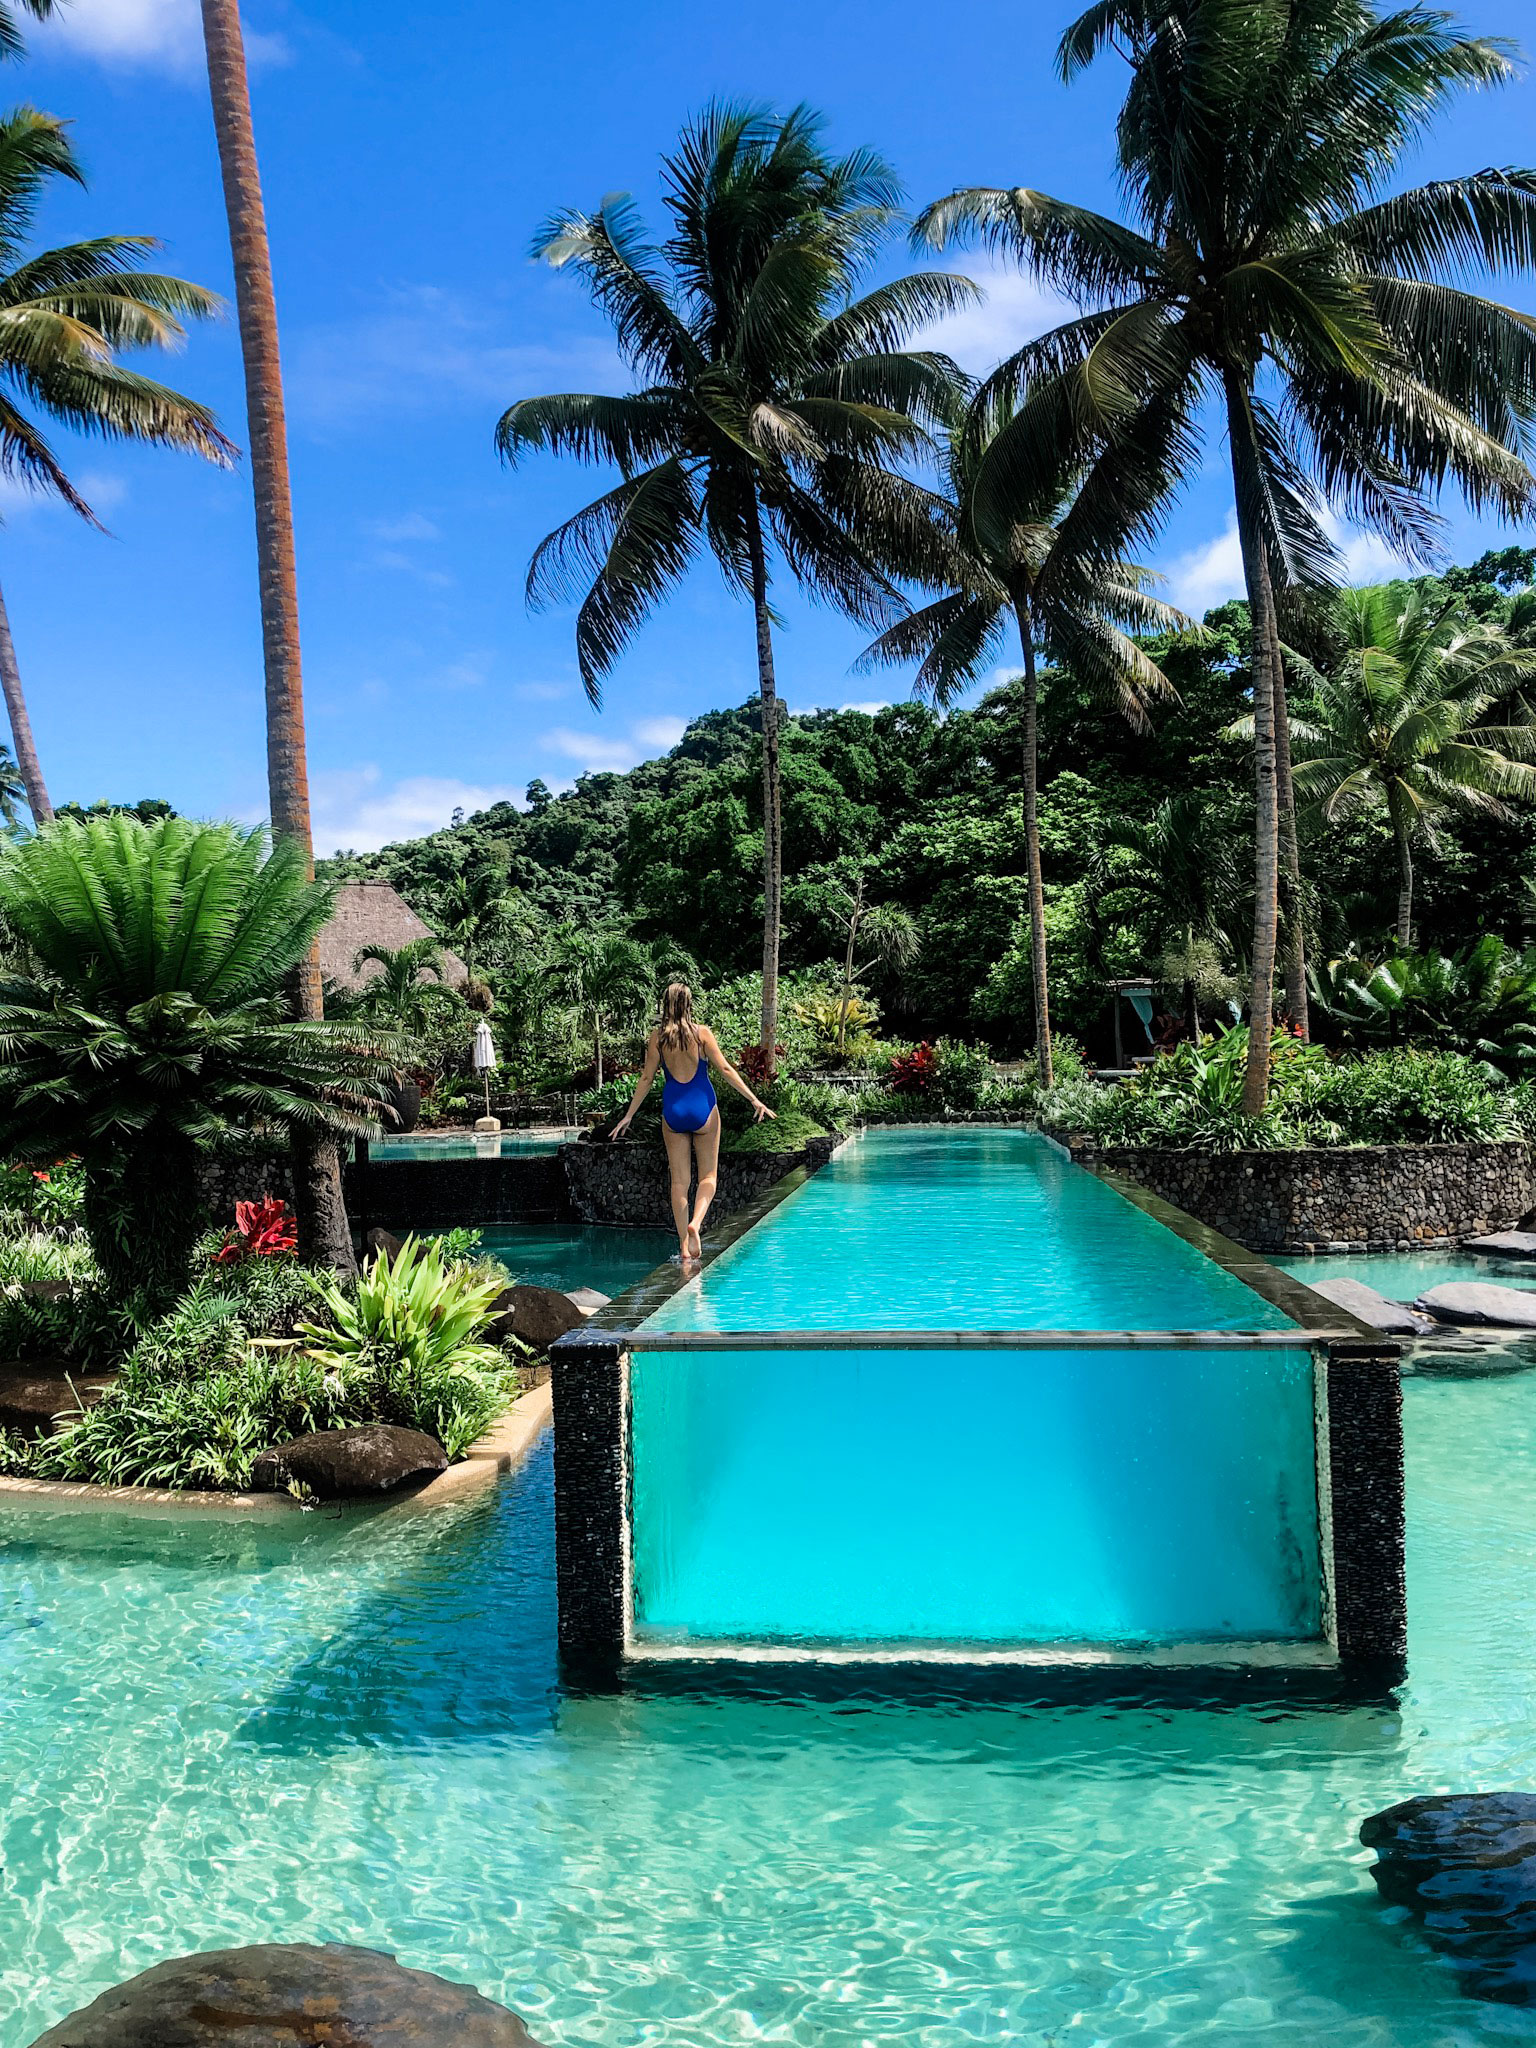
605	1256
465	1145
210	1739
1401	1276
991	1497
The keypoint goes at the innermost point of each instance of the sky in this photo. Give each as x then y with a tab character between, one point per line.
408	155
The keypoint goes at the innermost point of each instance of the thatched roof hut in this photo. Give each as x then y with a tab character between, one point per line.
374	914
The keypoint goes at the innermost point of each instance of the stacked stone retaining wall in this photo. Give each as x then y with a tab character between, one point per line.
629	1182
1355	1198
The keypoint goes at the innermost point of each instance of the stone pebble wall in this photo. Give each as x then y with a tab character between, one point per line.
1352	1198
629	1182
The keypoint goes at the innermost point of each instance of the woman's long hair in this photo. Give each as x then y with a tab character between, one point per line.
676	1029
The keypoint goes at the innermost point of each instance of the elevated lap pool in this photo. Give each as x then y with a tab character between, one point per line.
214	1737
1120	1489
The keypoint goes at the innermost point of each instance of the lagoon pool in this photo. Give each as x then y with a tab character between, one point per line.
609	1257
468	1145
219	1737
991	1498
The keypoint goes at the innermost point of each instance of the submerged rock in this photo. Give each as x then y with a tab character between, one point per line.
341	1464
290	1996
1390	1317
1503	1244
1465	1864
1480	1301
33	1391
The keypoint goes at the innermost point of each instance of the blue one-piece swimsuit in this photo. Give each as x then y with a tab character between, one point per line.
688	1105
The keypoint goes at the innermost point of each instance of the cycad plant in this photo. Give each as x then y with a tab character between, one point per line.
1033	564
774	415
151	1025
67	315
1269	270
1415	720
1479	1000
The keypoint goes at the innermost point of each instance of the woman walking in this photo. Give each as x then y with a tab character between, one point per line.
690	1116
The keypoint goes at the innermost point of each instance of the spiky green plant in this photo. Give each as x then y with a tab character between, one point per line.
152	1025
777	412
1269	269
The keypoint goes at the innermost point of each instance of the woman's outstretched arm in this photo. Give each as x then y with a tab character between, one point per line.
642	1087
717	1059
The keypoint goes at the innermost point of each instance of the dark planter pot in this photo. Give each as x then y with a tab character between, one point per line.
404	1111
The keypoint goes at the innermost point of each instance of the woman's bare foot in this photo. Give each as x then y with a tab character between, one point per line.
693	1245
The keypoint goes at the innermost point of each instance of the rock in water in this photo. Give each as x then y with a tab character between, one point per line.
342	1464
1503	1244
1479	1301
1465	1863
1364	1303
587	1299
290	1997
538	1315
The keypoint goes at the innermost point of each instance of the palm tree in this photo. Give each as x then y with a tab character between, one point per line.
398	990
66	315
323	1227
148	1025
608	980
1178	870
1029	562
774	412
1404	724
11	44
1267	271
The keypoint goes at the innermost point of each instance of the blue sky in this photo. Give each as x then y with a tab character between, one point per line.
408	154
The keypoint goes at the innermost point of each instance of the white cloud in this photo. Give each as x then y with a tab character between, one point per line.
411	526
1015	309
357	811
1210	574
541	693
163	35
426	349
594	752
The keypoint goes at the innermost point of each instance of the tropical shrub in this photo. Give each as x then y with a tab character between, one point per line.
915	1072
152	1025
42	1197
409	1344
1480	999
263	1230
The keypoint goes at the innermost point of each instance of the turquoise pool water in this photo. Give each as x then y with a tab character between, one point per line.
948	1498
1400	1276
466	1145
578	1255
214	1739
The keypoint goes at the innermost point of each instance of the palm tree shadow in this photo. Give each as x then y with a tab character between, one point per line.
456	1646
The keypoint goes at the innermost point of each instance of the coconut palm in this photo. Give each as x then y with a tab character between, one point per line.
66	317
151	1025
608	981
1409	722
398	990
1030	564
1266	271
774	414
11	44
323	1227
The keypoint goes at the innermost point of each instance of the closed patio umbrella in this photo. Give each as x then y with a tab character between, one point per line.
483	1059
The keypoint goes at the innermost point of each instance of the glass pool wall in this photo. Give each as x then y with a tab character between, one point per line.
996	1498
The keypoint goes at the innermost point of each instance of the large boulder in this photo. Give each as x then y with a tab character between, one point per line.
345	1464
289	1996
35	1390
1465	1864
1480	1302
1503	1244
1367	1306
537	1315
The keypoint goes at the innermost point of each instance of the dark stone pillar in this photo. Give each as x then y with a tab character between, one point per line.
589	1376
1365	1456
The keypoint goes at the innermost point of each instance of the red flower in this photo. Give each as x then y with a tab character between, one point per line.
261	1229
36	1175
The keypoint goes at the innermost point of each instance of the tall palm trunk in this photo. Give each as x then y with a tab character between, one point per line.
325	1233
1293	936
21	724
773	825
1266	836
1405	873
1039	976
